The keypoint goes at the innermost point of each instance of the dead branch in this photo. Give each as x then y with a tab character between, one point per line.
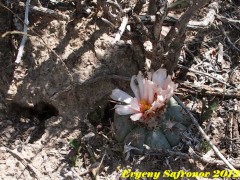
209	91
139	5
108	22
210	17
160	16
171	20
179	4
173	42
15	32
121	29
181	25
227	20
192	155
25	29
152	8
47	11
143	29
205	74
205	136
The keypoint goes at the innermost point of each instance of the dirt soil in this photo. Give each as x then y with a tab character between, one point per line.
55	108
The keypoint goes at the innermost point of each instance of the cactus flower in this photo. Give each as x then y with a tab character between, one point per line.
151	95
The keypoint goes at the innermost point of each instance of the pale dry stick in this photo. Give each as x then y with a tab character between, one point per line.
205	74
25	29
231	134
24	162
192	155
227	20
209	91
121	30
208	160
205	136
97	169
44	10
108	23
210	17
15	32
220	53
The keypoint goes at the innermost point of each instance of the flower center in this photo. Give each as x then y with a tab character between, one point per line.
144	106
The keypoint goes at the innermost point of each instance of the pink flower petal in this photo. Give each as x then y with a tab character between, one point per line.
166	82
159	76
154	90
151	91
119	95
141	82
136	117
145	92
134	104
134	87
124	110
156	105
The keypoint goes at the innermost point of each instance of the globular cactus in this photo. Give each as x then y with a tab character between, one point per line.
152	117
168	134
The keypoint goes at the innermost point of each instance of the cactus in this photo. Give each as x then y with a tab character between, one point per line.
152	118
164	136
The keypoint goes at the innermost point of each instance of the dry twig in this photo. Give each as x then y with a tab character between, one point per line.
25	29
208	91
205	74
160	16
139	5
121	29
227	20
47	11
210	17
181	25
108	22
205	136
192	155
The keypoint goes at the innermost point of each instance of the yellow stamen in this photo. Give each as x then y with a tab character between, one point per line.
144	106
